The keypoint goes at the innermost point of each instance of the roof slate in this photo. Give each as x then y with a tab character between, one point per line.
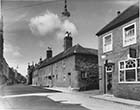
77	49
129	14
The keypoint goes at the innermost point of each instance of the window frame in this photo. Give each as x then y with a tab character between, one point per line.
104	51
124	69
135	35
138	67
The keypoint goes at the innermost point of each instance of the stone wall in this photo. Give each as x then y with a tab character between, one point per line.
58	73
61	71
87	65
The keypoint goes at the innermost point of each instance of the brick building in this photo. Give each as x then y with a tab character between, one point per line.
75	67
119	55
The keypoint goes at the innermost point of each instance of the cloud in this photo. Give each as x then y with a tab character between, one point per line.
45	24
14	51
51	24
20	17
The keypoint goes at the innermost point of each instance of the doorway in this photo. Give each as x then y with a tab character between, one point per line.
69	80
109	77
109	83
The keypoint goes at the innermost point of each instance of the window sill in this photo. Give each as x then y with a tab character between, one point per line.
135	82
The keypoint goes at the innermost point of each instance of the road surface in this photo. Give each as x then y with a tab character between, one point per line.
21	97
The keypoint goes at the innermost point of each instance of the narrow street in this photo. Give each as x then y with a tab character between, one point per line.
22	97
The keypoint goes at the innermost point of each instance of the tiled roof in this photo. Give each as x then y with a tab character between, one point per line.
129	14
77	49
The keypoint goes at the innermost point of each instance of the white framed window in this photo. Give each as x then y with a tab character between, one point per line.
129	34
107	43
129	71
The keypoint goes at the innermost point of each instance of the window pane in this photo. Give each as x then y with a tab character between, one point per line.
129	28
129	31
121	65
130	64
121	76
130	75
138	74
138	62
108	40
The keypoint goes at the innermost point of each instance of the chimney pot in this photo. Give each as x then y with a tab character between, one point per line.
49	53
118	12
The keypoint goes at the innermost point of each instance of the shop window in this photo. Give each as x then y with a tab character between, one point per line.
129	70
129	34
107	43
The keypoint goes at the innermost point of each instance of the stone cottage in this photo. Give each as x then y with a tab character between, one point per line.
75	67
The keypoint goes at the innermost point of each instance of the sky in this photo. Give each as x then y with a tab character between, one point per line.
31	26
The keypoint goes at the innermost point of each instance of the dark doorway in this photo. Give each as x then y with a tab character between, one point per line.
108	78
109	82
69	79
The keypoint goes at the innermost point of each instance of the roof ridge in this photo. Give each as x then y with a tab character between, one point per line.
121	19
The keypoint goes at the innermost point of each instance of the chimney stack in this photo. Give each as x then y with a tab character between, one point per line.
49	53
67	41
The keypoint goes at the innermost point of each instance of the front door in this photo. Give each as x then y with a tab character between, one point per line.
109	83
109	74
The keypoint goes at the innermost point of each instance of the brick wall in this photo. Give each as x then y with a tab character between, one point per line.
119	52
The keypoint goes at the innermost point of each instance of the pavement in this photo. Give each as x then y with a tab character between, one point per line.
97	95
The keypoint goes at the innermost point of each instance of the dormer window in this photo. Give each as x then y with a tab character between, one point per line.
107	43
129	34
